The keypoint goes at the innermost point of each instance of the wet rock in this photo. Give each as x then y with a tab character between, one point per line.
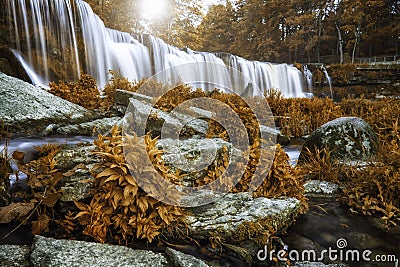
321	188
99	126
53	252
231	217
14	255
348	139
27	110
180	259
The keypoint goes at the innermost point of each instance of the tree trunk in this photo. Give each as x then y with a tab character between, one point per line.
356	35
340	42
354	48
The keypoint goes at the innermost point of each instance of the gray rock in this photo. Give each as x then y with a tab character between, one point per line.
121	97
26	109
73	155
274	134
77	186
321	188
193	156
101	126
14	255
137	119
53	252
81	159
348	139
180	259
234	213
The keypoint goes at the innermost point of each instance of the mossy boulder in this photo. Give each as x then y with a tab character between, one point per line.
347	138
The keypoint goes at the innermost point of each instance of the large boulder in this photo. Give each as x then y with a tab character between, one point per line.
348	139
27	110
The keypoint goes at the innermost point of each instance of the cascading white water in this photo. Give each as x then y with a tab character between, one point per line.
308	76
45	19
283	77
108	49
328	79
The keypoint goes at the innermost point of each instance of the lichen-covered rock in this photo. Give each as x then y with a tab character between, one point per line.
235	217
102	126
73	155
347	138
321	188
193	156
26	109
48	252
14	256
78	159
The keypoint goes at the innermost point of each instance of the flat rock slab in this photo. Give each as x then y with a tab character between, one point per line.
321	188
101	126
49	252
26	109
232	213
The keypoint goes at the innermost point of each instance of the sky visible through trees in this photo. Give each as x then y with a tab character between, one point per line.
266	30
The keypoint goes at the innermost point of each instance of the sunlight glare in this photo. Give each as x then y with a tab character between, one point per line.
154	8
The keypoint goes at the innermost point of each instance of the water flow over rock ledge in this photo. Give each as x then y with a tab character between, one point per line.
107	49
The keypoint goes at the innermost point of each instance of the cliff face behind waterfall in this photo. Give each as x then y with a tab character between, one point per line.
60	39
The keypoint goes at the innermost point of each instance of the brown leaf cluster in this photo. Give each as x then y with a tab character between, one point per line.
43	178
121	210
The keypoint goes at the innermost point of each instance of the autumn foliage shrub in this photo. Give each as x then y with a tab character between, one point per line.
120	210
84	92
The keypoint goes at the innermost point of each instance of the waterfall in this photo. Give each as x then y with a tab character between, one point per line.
54	27
328	79
46	18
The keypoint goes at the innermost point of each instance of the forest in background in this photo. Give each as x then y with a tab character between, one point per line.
329	31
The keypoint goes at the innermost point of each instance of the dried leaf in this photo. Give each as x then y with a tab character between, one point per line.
41	224
15	211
